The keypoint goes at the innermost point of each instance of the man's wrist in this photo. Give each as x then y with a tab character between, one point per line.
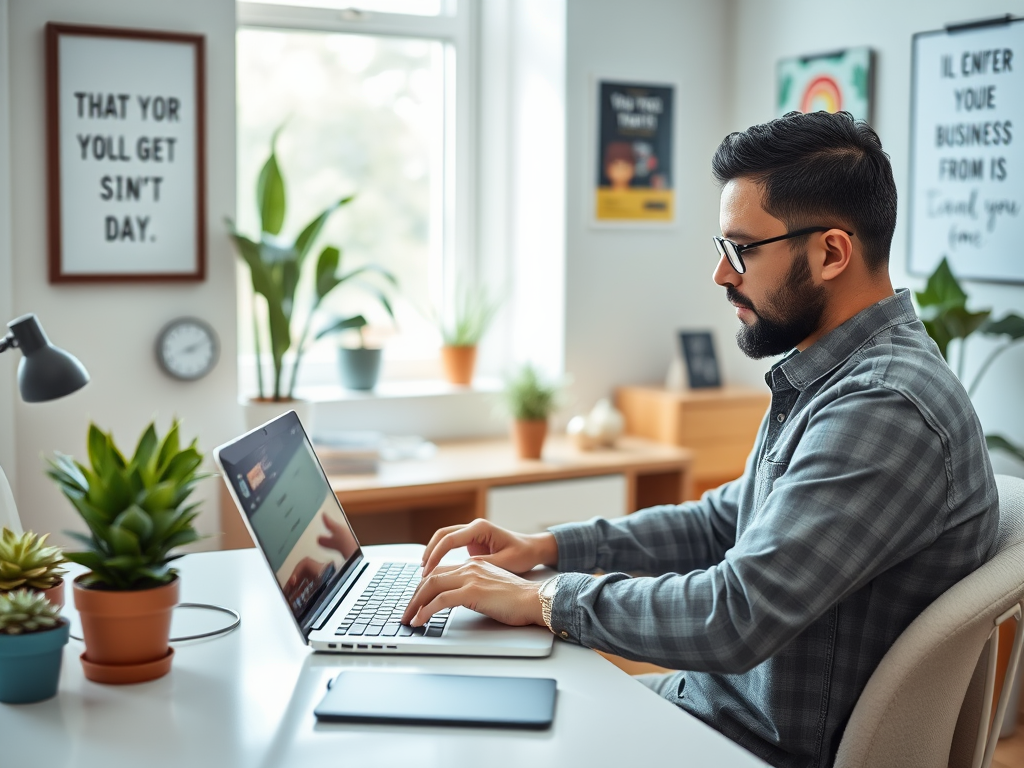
546	593
546	549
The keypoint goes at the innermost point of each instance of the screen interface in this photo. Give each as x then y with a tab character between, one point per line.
295	515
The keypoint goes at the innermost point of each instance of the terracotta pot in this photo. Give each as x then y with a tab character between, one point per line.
458	364
125	630
528	437
54	594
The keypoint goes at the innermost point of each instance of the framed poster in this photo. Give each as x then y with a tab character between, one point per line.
633	177
966	157
698	349
126	163
841	80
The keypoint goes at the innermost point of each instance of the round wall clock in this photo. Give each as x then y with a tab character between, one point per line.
187	348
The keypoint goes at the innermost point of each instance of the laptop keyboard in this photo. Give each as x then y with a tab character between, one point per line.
378	611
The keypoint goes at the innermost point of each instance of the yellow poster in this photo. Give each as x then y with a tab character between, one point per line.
634	163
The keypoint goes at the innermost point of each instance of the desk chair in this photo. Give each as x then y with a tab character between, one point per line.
929	703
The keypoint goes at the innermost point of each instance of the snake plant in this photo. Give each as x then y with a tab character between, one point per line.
26	561
135	508
23	611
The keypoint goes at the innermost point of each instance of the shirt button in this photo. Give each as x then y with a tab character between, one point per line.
564	635
780	418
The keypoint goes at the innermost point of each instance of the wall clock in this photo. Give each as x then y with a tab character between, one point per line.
187	348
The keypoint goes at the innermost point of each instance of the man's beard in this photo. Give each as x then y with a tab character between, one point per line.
790	314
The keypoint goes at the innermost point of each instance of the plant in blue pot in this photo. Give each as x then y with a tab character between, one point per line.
32	640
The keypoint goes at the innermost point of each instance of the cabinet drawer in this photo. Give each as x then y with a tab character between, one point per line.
533	507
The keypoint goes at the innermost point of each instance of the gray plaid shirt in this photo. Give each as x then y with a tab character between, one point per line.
868	493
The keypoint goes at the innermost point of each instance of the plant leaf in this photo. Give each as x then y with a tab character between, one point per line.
270	197
134	519
1011	325
326	269
356	321
311	231
942	289
1000	443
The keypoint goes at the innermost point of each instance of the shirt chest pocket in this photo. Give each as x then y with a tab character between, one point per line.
768	472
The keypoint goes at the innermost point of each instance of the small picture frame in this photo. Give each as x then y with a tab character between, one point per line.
700	361
126	154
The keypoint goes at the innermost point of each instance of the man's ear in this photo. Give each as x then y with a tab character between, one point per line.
837	249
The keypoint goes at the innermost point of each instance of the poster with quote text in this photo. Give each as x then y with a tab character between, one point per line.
126	159
967	152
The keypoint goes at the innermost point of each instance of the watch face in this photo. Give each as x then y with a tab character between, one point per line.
187	348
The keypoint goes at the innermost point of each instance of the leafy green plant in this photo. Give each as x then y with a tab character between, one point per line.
943	310
276	268
473	312
528	397
135	508
24	611
26	561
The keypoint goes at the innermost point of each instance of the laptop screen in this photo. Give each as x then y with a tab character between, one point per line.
298	521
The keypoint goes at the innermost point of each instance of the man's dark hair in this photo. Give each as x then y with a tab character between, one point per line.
818	169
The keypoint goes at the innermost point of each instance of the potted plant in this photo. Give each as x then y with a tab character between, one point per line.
136	512
32	640
277	267
27	563
943	310
529	400
359	366
472	314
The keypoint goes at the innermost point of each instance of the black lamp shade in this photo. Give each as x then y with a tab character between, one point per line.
45	372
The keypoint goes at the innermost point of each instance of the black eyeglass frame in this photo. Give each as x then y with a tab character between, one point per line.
733	251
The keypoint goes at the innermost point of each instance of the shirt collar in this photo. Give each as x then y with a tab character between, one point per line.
801	369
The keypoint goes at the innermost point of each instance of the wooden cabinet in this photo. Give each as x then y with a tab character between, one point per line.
718	425
406	501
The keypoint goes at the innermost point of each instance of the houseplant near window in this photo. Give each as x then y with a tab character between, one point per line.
27	563
530	400
32	640
281	323
943	310
473	312
136	512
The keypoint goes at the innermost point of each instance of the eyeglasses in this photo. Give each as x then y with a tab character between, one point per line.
732	251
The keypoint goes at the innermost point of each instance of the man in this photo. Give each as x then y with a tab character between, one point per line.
868	493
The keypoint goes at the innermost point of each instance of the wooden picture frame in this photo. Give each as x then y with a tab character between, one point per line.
126	152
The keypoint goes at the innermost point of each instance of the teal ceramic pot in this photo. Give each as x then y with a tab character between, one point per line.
30	664
360	368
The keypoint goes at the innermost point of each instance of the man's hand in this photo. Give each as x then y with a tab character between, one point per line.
337	538
480	586
516	552
307	571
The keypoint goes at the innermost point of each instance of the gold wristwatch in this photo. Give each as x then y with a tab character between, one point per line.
547	599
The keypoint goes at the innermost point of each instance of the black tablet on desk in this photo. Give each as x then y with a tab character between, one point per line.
433	699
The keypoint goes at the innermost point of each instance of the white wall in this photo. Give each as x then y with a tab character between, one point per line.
112	328
629	290
767	30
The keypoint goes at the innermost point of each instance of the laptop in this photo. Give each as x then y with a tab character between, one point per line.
341	600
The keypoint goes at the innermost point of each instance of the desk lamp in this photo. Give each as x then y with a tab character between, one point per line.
45	373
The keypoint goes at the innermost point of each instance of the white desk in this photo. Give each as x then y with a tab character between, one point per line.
247	699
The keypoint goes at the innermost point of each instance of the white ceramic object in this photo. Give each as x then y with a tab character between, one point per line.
599	428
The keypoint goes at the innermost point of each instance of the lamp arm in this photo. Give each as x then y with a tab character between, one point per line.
7	342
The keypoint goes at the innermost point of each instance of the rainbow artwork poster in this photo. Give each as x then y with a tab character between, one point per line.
835	81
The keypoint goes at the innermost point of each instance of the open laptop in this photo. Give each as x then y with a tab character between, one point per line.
341	600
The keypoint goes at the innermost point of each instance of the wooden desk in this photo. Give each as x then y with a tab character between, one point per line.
409	500
718	425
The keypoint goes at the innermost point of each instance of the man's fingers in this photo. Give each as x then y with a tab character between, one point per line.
439	534
449	599
460	537
426	591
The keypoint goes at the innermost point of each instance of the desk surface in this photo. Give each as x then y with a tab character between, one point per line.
246	700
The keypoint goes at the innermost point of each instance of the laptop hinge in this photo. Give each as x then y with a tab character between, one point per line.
318	619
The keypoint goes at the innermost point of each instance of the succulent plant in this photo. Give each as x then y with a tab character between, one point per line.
26	561
23	611
135	508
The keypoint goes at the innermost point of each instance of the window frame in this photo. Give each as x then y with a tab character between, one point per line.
455	28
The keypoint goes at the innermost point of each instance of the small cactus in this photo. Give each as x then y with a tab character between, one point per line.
26	561
22	612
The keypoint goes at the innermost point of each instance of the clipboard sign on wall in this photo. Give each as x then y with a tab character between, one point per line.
967	154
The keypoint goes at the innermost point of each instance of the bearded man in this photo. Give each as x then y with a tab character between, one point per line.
868	493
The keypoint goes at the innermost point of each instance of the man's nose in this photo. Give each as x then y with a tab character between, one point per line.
725	275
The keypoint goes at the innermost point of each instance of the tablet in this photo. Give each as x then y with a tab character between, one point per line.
411	697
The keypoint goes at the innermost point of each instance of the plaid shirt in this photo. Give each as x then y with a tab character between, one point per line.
868	493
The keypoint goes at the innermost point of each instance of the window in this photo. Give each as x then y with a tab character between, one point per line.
369	103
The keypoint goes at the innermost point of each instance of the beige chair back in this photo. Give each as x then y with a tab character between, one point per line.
929	703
